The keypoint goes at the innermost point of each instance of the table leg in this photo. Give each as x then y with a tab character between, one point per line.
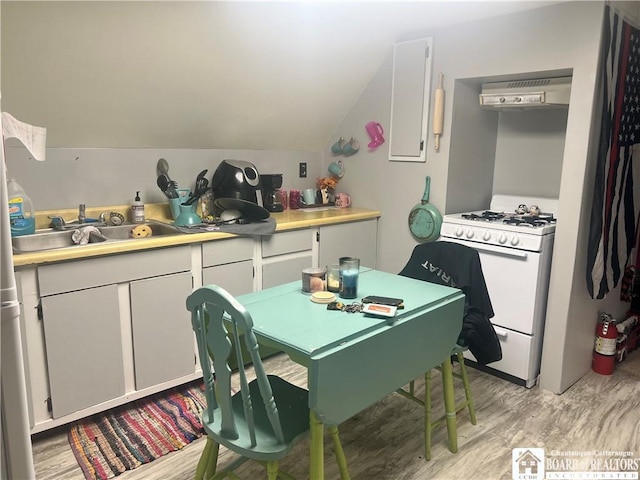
317	447
450	404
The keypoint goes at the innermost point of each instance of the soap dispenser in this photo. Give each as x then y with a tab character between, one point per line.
137	210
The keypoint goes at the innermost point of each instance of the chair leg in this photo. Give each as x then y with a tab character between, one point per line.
450	404
208	460
427	415
341	458
467	388
272	470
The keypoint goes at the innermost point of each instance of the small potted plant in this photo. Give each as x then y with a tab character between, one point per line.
327	189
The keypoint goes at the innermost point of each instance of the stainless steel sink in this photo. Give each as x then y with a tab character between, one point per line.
54	239
123	232
47	240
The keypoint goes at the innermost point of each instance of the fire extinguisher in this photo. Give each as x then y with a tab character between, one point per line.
604	353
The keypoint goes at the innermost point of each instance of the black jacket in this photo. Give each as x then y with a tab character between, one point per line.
459	266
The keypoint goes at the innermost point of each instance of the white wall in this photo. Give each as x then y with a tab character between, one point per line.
111	176
529	152
560	39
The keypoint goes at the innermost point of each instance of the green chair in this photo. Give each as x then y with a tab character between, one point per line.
451	408
267	416
458	266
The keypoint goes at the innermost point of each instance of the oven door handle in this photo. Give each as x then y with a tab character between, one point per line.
483	247
501	332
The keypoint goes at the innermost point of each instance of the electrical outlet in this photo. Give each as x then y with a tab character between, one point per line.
303	169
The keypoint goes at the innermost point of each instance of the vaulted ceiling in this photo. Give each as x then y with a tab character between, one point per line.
208	74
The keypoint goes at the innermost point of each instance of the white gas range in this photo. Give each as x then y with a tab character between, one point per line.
515	248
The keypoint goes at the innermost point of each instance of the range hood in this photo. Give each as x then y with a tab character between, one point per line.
519	94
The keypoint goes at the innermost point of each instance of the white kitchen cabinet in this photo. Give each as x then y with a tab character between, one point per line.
357	239
410	94
229	264
84	348
100	332
284	256
163	347
113	327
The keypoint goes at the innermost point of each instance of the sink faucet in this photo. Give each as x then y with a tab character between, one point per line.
59	223
81	213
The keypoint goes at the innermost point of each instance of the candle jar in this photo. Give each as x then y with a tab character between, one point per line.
313	280
333	277
349	273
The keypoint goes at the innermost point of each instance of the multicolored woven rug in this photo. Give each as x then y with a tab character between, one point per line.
107	444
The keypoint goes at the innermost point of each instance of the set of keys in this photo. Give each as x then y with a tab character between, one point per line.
354	307
374	309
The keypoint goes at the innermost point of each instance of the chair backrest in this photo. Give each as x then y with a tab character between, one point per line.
459	266
454	265
220	323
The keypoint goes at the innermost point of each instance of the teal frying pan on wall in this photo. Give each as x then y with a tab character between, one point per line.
425	220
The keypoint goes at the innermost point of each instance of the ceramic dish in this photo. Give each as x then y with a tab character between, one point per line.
250	211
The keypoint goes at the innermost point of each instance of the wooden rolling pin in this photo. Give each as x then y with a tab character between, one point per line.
438	111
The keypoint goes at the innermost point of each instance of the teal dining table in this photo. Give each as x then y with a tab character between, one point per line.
353	360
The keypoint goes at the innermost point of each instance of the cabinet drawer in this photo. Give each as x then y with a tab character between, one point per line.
93	272
286	242
235	278
517	354
286	271
227	251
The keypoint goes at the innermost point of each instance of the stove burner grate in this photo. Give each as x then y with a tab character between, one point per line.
530	220
523	220
486	216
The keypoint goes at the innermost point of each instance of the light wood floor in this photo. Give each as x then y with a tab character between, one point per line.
385	441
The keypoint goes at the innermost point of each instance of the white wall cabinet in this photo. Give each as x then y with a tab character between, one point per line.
410	94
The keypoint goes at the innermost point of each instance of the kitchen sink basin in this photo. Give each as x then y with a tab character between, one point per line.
54	239
42	241
123	232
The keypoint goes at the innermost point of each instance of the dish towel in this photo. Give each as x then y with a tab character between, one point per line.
84	235
262	227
